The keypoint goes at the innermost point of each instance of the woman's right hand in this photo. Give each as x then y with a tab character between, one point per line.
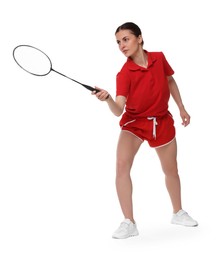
102	94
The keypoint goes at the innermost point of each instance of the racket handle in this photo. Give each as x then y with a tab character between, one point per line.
91	88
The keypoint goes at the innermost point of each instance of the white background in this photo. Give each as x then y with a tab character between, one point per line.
58	142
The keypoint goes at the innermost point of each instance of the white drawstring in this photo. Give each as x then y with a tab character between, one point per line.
149	118
154	125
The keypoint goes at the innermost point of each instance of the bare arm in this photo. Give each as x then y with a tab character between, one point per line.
116	106
175	93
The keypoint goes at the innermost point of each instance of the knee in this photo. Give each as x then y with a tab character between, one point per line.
123	167
171	171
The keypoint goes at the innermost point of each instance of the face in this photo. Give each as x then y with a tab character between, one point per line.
128	43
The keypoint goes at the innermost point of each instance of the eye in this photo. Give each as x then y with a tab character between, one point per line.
118	42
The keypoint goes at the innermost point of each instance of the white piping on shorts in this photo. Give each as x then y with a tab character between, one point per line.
154	125
133	134
129	122
165	143
149	118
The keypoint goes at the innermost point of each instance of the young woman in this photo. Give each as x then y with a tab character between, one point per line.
143	88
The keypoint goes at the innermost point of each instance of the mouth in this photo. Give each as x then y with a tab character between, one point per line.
125	52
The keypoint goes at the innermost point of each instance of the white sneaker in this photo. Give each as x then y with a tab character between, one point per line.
182	218
126	229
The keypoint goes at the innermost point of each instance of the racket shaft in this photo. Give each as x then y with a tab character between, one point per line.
84	85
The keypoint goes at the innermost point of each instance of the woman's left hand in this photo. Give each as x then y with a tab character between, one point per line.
185	117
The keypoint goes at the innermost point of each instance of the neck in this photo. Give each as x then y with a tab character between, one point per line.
141	59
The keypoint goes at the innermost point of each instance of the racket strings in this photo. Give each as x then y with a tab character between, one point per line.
36	62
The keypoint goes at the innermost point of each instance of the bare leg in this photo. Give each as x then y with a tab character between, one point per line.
127	148
168	158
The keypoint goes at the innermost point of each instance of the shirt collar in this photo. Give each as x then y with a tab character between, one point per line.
133	66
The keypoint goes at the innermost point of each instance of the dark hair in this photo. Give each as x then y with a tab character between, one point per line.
132	27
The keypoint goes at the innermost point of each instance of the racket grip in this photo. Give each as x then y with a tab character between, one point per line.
91	88
97	90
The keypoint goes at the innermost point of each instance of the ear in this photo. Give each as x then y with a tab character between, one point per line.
140	39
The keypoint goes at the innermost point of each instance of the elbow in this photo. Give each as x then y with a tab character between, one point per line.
118	113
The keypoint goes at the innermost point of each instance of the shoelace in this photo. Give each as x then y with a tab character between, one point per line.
123	226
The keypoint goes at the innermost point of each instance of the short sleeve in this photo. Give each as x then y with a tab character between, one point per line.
167	68
122	84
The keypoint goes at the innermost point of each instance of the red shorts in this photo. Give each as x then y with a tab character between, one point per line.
157	131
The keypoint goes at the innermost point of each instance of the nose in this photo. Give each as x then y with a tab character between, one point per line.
122	46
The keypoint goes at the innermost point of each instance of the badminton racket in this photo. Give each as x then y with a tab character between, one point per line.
38	63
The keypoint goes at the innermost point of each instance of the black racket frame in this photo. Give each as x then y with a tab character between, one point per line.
51	68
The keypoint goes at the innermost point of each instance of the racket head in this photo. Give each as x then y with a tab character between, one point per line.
32	60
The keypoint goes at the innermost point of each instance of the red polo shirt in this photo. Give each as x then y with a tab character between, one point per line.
146	89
